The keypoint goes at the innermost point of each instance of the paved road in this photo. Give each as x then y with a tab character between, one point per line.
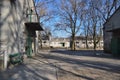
66	65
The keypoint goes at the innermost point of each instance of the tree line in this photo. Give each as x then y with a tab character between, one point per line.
75	16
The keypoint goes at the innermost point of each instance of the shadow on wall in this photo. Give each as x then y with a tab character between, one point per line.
1	4
11	24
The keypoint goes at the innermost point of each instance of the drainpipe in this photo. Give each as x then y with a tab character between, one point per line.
31	11
5	60
29	42
31	15
34	40
30	39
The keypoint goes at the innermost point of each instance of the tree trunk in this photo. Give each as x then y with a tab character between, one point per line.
73	42
94	46
40	40
86	41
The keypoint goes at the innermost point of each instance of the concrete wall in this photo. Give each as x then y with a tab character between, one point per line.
13	15
107	41
112	24
11	26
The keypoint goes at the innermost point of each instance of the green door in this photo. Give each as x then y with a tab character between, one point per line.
115	46
29	46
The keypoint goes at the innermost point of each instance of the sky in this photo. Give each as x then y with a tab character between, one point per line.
55	33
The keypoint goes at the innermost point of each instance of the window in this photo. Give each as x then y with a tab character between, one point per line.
101	42
44	41
83	42
77	42
90	42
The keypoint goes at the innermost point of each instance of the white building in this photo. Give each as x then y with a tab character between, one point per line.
60	43
80	42
56	43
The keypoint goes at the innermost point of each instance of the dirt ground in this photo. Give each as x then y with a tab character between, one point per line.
66	65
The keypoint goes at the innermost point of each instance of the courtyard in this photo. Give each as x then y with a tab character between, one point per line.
66	65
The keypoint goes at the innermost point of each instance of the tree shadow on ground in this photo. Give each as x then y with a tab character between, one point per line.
21	72
89	53
61	69
24	72
100	65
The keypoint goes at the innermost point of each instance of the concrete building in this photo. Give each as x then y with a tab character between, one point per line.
60	43
18	26
112	33
80	43
56	43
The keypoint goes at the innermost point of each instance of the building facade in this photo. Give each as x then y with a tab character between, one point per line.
112	33
18	26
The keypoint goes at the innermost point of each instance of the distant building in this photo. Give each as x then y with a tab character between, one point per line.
60	43
56	43
112	33
80	42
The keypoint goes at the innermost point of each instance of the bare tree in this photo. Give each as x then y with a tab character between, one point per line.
94	20
86	25
104	10
45	15
72	13
47	33
70	18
